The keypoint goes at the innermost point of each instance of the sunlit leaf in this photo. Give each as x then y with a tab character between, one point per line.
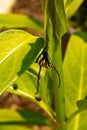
19	21
75	78
27	87
13	127
71	6
55	23
16	55
68	2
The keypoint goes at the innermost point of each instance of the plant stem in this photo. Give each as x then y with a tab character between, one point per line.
55	27
59	91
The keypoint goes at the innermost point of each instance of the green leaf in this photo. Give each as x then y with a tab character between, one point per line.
71	6
75	78
13	127
55	27
55	14
68	2
19	21
22	117
31	55
55	23
82	104
27	85
15	47
46	87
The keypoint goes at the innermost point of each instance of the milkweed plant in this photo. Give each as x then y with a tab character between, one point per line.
31	66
